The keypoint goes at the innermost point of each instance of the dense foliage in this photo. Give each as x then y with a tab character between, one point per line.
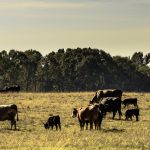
74	70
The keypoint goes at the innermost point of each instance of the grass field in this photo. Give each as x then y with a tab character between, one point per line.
34	108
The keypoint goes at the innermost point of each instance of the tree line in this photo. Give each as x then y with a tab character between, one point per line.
77	69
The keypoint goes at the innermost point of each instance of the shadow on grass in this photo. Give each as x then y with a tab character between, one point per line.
5	130
115	130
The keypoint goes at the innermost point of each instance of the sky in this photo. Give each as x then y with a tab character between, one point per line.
119	27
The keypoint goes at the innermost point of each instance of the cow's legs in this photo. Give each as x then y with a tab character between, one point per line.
86	125
114	113
120	114
137	119
59	125
56	126
99	124
13	122
83	123
80	125
96	125
91	125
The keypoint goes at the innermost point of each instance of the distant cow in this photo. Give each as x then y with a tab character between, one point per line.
132	112
53	121
90	114
100	94
8	112
130	101
14	88
111	104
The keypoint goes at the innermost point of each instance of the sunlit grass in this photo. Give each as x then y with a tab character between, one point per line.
34	108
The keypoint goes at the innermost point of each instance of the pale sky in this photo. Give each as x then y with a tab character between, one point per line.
120	27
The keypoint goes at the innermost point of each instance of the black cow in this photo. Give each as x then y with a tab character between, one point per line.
100	94
14	88
130	101
132	112
111	104
8	112
53	121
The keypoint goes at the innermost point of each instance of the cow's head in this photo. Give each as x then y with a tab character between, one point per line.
102	109
74	112
46	125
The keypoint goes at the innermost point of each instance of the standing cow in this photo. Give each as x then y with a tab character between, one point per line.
90	114
100	94
130	101
111	104
132	112
8	112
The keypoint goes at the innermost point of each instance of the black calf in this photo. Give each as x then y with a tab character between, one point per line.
53	121
132	112
130	101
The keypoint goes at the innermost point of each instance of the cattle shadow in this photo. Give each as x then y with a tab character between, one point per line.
4	130
114	130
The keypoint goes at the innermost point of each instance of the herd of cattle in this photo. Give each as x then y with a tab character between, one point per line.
104	101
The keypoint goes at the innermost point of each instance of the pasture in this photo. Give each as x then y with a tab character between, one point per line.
34	108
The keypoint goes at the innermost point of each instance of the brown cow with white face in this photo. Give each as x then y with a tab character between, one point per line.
90	114
8	112
100	94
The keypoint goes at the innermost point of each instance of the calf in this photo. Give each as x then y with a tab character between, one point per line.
132	112
90	114
53	121
130	101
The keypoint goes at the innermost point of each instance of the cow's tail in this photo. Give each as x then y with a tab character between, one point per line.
17	116
17	113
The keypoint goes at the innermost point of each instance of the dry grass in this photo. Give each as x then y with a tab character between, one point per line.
34	108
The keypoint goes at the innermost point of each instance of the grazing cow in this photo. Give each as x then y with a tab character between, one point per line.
132	112
111	104
130	101
53	121
8	112
90	114
100	94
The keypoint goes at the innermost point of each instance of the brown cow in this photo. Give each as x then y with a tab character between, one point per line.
90	114
100	94
8	112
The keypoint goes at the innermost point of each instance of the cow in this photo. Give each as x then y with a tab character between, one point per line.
130	101
8	112
53	121
90	114
111	104
14	88
100	94
132	112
